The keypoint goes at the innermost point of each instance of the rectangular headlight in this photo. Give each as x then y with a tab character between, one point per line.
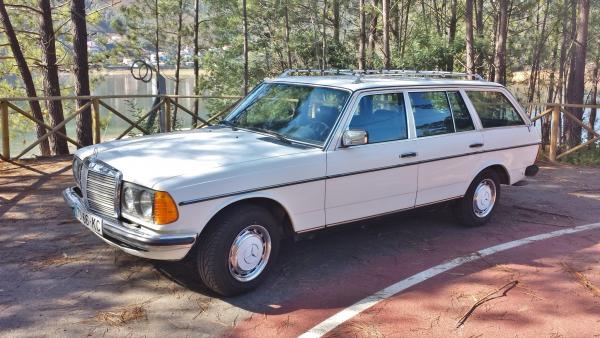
77	165
140	203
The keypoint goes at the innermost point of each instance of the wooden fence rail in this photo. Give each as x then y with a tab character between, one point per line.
552	115
555	114
163	108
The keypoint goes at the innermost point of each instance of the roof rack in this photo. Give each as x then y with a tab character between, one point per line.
359	74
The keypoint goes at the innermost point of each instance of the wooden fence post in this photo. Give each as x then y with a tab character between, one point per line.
5	135
96	121
554	132
167	114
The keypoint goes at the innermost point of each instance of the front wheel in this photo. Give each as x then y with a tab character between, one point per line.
479	202
238	249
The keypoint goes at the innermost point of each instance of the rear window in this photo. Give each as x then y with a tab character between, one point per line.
438	113
494	109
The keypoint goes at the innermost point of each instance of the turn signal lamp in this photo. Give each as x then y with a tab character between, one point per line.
165	209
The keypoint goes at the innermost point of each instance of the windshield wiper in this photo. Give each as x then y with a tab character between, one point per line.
272	133
228	124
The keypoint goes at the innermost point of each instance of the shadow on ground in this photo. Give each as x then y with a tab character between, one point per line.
57	278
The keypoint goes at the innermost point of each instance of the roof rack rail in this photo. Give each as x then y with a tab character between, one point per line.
382	73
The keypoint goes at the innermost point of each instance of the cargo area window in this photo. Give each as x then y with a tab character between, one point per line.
494	109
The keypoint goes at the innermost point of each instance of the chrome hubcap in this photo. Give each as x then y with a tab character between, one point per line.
484	198
249	253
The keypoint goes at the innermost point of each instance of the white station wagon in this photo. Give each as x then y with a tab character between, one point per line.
304	152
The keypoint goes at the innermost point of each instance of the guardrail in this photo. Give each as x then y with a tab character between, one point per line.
163	106
552	116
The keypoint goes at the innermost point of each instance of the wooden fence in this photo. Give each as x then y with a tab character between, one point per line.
553	115
163	106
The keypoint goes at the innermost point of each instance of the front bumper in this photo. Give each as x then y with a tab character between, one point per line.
136	240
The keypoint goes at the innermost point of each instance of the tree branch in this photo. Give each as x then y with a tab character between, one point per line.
24	7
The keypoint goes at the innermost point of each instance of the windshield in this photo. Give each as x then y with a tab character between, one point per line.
295	112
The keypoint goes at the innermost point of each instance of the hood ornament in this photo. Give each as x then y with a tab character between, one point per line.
94	154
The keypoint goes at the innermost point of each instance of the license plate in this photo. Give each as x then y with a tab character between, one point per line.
92	222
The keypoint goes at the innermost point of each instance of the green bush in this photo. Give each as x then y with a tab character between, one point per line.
589	156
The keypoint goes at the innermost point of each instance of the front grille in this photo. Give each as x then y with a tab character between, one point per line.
101	188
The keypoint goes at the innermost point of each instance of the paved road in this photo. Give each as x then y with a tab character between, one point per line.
57	279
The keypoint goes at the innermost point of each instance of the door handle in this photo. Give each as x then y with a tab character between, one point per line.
411	154
476	145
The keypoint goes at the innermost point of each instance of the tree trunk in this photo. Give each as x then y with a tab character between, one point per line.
434	14
594	98
492	67
537	53
386	34
81	71
500	55
362	55
287	35
479	29
373	31
552	80
479	17
576	85
562	65
58	144
336	21
157	47
177	62
452	32
245	20
196	61
405	29
469	36
397	19
324	37
36	110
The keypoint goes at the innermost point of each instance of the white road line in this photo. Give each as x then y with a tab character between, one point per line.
363	304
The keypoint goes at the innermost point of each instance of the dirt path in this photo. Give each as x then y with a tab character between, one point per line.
58	279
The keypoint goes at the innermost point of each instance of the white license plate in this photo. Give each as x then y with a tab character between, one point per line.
92	222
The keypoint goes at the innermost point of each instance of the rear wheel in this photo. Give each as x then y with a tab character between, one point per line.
238	250
479	202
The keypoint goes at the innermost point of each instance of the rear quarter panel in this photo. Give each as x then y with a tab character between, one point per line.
513	147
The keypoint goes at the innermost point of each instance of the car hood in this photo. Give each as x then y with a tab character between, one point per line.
148	160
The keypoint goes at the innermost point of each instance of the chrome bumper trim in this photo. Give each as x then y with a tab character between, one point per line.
134	239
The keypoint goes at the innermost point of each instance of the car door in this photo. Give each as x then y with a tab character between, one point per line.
377	177
448	142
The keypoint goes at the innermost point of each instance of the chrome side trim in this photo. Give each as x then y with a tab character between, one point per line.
281	185
247	191
378	215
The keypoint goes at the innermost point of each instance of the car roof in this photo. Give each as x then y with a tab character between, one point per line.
354	83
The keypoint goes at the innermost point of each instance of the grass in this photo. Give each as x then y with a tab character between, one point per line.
587	157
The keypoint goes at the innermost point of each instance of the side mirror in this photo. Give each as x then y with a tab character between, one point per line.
354	137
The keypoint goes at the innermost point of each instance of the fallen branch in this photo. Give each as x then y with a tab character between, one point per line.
582	279
507	287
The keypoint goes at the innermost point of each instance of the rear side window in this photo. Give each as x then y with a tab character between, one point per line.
382	116
438	113
462	118
432	113
494	109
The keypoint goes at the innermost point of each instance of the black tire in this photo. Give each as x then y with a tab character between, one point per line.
215	245
465	210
